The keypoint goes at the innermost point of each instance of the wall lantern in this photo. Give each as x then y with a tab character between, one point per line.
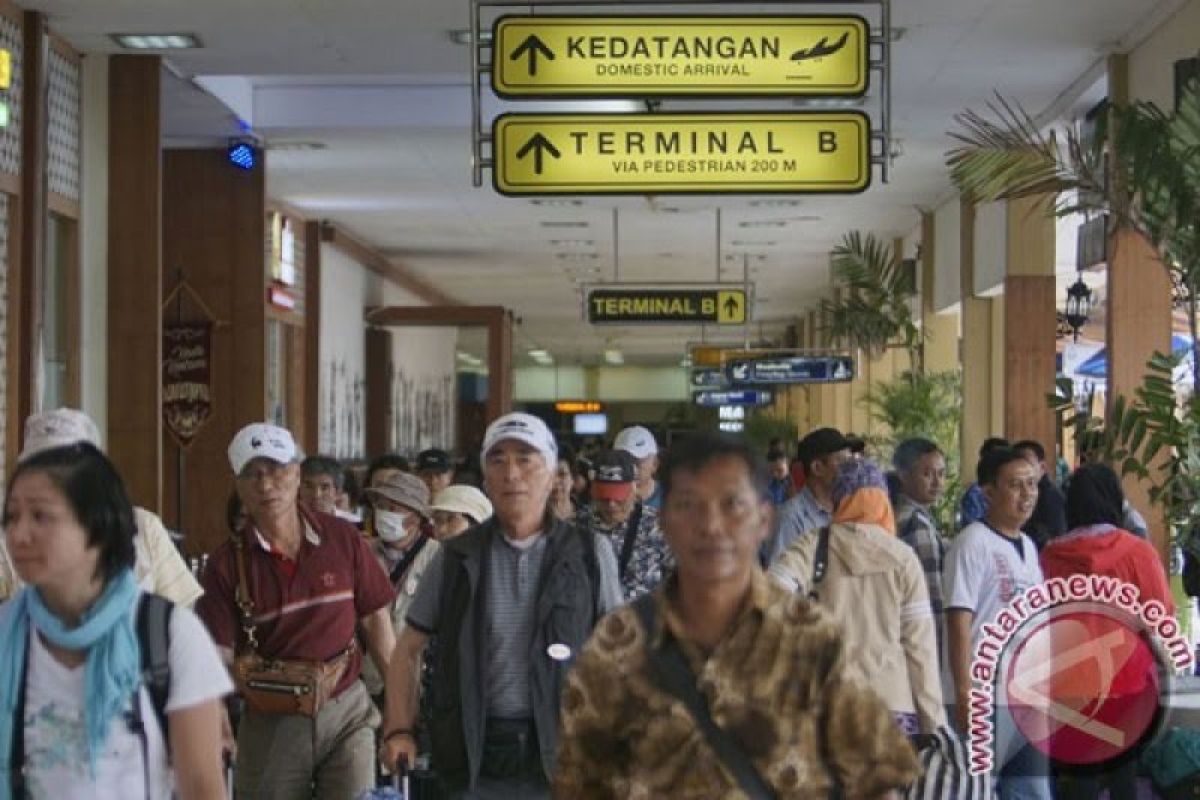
1079	303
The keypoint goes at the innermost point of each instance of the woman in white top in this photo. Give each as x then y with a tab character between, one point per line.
76	720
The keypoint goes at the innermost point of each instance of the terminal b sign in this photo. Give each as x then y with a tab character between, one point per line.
693	153
584	56
690	306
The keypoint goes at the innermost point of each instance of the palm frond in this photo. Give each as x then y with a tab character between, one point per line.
872	311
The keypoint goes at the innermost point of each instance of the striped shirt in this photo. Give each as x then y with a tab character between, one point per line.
512	577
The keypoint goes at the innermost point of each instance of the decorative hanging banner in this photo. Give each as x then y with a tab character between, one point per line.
186	378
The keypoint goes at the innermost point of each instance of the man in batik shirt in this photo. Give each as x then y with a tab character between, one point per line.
769	663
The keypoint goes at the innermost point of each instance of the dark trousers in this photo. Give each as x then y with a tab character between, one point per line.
512	764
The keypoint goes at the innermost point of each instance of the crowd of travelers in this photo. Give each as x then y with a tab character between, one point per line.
696	622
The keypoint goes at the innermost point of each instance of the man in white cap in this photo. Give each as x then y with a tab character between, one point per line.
311	581
639	443
511	601
159	567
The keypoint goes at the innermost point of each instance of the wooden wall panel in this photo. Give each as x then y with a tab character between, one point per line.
135	275
213	228
378	354
1029	358
311	241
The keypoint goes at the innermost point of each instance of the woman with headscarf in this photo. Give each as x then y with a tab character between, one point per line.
1096	544
873	585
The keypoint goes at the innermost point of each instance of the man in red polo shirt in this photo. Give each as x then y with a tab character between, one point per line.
313	581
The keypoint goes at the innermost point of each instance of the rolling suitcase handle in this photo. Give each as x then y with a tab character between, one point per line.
400	780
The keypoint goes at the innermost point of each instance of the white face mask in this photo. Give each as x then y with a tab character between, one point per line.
390	525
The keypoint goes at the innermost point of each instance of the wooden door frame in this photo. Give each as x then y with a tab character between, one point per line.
495	319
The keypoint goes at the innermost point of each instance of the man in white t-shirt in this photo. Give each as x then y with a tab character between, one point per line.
990	563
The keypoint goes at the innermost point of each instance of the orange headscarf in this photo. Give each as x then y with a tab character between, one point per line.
867	505
860	495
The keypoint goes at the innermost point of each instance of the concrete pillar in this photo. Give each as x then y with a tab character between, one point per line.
982	354
941	330
1030	324
1139	321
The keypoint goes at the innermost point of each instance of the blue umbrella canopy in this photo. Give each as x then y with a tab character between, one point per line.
1097	365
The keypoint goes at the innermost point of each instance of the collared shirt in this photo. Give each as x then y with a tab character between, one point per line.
797	516
309	614
776	682
650	560
916	528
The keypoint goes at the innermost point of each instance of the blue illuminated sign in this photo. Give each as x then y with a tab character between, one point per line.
746	397
242	155
709	378
789	369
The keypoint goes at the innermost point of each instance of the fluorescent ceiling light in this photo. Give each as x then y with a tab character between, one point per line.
541	356
156	41
614	356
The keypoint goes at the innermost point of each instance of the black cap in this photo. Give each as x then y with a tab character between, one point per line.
614	466
434	461
822	442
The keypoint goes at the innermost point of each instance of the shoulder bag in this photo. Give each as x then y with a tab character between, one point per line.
279	686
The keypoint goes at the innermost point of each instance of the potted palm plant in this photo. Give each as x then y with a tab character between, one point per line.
874	310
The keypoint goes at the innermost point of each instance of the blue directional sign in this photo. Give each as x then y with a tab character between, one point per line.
746	397
709	378
787	369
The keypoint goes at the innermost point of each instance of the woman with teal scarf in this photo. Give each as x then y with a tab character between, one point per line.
71	662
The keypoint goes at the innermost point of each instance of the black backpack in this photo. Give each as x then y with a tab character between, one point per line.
153	626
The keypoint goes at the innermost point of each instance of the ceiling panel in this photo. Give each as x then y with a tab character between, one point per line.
380	88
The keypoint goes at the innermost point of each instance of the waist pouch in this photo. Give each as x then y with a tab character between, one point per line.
510	750
276	686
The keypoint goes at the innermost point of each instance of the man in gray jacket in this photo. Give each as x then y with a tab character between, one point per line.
511	601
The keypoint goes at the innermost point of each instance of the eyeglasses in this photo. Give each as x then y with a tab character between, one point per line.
259	473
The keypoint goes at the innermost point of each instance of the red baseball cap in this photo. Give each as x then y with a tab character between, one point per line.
614	474
612	491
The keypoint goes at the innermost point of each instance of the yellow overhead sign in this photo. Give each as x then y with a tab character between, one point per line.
702	153
5	69
634	305
583	56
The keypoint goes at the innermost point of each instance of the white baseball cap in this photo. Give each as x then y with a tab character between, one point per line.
525	428
262	440
460	499
58	428
637	441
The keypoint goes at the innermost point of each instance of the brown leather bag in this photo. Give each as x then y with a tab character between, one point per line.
279	686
